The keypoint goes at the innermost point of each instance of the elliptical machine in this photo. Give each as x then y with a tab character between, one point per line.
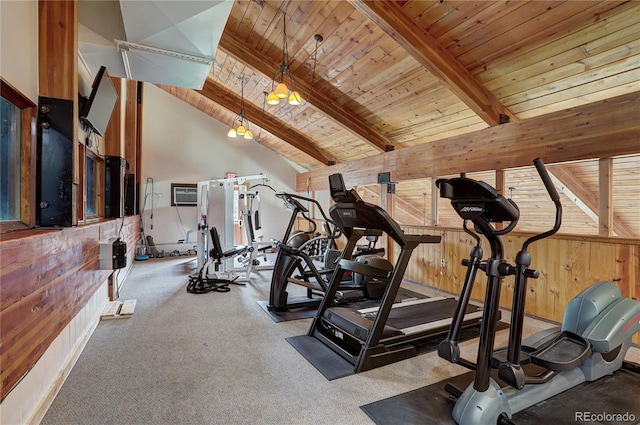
308	259
596	330
295	258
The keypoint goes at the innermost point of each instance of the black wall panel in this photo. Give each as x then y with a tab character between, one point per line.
54	176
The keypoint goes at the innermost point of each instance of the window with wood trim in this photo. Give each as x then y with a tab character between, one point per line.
9	161
17	191
90	202
94	185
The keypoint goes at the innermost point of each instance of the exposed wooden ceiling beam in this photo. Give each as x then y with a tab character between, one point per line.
346	118
598	130
389	16
229	100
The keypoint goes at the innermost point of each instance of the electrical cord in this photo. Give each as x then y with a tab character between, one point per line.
152	195
120	235
144	205
441	277
116	287
262	184
180	219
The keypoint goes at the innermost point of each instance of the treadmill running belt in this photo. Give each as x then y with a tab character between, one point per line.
418	314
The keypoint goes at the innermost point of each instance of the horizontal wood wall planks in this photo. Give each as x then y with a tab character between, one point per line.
47	277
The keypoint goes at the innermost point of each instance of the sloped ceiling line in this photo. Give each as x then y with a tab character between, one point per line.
230	101
206	105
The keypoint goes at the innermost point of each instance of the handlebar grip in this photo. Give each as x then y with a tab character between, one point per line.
533	274
546	179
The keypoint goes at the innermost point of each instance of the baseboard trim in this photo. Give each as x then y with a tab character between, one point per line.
54	388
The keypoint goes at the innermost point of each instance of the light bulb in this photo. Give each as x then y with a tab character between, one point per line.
240	130
232	133
273	99
248	135
294	98
281	91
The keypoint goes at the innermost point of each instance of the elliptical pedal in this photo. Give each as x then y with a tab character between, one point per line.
567	351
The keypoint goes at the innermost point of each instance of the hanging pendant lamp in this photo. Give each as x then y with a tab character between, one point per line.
241	130
281	90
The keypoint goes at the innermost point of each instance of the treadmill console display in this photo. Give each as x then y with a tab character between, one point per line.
338	191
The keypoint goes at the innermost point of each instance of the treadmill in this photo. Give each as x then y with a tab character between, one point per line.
373	337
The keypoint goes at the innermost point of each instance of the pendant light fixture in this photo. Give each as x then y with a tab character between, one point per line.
243	127
281	91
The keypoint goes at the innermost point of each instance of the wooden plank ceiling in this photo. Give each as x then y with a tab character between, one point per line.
395	74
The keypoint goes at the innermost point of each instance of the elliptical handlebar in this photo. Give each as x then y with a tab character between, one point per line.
546	179
555	197
510	371
292	198
292	201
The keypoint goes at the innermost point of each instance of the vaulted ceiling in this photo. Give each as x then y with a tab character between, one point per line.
395	74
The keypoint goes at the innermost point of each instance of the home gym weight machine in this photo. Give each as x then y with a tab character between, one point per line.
249	201
221	203
595	335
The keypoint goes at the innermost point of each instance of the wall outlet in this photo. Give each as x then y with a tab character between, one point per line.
442	264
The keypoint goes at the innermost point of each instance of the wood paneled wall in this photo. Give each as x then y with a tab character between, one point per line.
47	278
58	50
567	265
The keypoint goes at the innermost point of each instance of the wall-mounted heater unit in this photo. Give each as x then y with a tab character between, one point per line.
184	194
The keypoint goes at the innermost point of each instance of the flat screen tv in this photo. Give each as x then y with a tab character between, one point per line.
97	109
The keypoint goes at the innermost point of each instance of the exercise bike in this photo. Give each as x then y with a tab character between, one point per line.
596	330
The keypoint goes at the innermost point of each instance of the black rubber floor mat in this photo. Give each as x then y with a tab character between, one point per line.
291	314
332	366
610	400
325	360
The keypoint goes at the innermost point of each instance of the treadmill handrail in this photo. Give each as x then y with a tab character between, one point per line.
423	238
363	215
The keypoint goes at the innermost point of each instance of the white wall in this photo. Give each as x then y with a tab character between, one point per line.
180	144
19	46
